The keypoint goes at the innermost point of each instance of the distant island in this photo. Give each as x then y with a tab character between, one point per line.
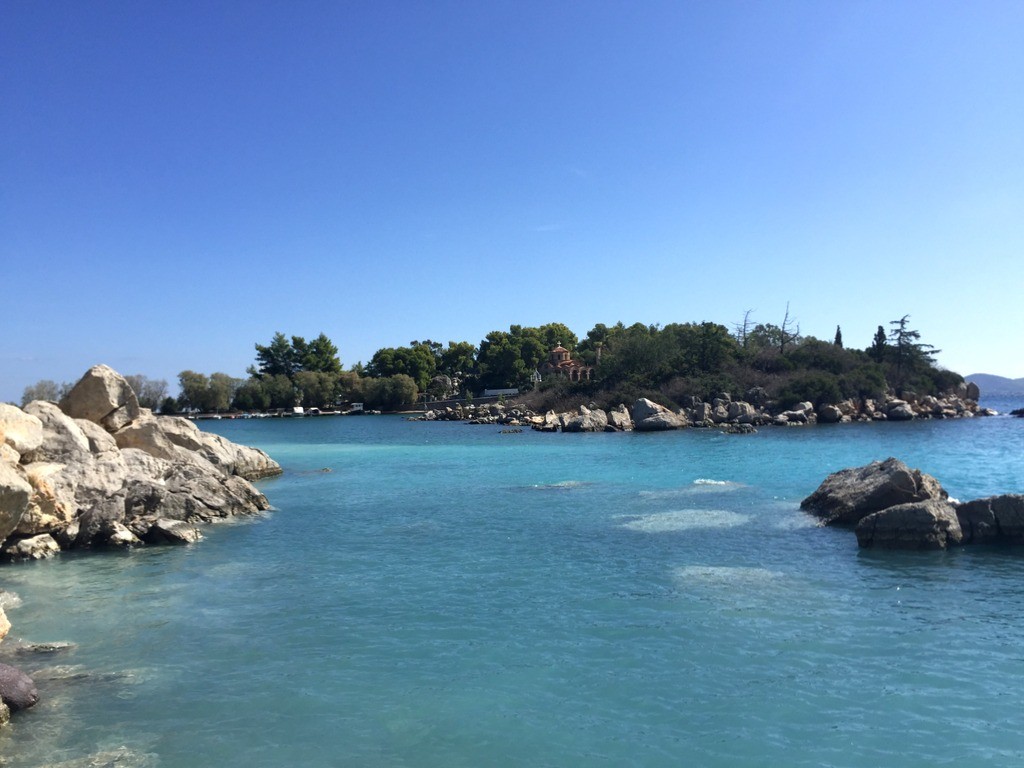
997	386
549	367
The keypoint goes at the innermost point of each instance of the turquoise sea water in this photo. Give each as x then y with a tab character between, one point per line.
447	595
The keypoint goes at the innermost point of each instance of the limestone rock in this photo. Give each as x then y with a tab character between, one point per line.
928	524
648	416
700	413
46	512
5	624
173	438
973	392
741	412
587	420
16	688
63	438
104	397
147	434
848	496
33	548
15	493
22	431
619	419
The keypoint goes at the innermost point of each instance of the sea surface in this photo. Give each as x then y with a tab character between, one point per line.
439	594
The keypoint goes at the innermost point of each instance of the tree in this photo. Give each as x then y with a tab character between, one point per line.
150	392
194	390
221	392
321	356
45	389
458	360
390	392
839	338
790	331
910	352
418	362
252	395
878	345
317	389
277	358
280	391
169	406
742	329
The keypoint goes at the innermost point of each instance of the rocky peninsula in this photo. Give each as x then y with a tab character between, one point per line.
98	471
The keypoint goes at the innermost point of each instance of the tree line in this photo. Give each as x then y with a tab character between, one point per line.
670	363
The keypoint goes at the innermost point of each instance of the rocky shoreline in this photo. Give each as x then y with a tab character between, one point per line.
724	412
98	471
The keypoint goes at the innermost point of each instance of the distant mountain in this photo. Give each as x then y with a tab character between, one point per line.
996	386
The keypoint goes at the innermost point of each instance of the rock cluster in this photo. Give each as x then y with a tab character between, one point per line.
738	416
891	506
98	470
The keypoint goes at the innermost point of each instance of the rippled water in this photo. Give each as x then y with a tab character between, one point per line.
447	595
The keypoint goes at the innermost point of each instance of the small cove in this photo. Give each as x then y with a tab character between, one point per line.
449	595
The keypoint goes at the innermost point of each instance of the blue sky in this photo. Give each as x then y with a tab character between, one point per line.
180	180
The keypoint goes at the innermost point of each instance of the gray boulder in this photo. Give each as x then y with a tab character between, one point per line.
587	420
648	416
741	412
830	414
619	418
848	496
700	414
172	532
17	690
928	524
104	397
899	410
993	519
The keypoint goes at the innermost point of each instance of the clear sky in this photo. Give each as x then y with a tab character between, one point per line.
180	180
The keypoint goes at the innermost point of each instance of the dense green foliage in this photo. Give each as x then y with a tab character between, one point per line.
673	364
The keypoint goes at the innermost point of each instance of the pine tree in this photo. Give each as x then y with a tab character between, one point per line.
839	338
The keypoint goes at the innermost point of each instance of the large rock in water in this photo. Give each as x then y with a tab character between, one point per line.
993	519
16	688
102	396
928	524
848	496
